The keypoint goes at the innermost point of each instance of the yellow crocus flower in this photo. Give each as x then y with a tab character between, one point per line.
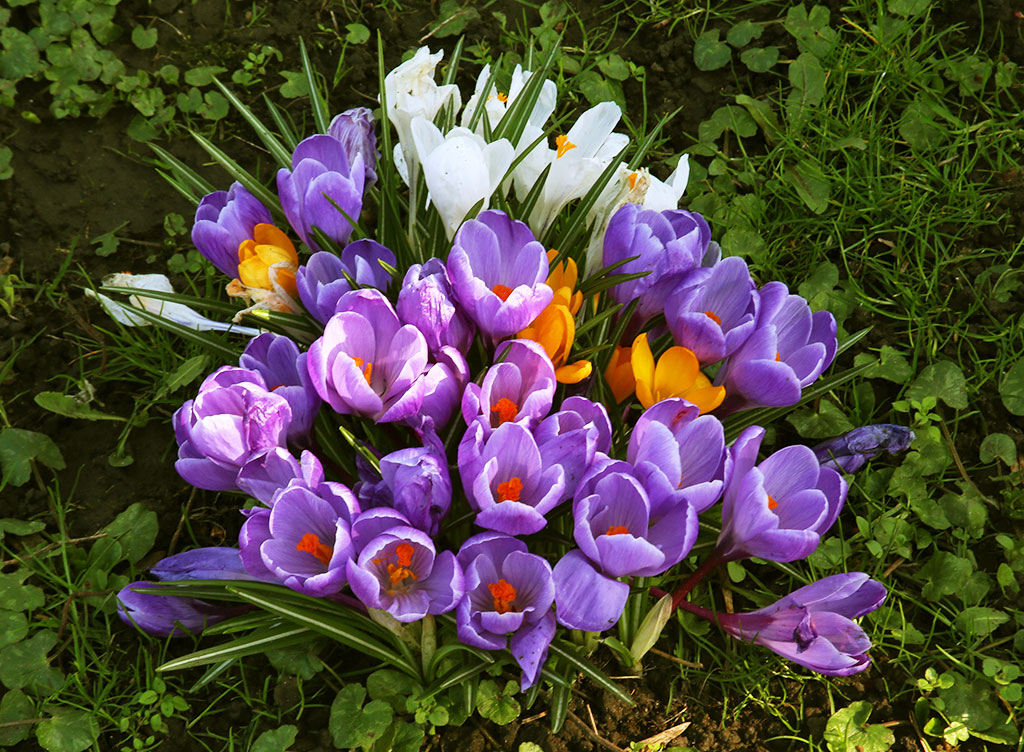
268	259
554	330
677	374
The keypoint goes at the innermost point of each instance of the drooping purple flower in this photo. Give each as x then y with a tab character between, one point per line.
788	349
367	363
679	454
303	540
354	129
401	572
265	474
848	453
321	280
572	437
426	300
506	481
169	615
519	387
498	271
418	483
669	244
813	626
278	360
778	509
713	311
322	181
225	219
233	419
508	600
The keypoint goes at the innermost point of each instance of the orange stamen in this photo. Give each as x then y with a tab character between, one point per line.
311	544
777	356
506	410
632	179
510	489
502	97
367	370
711	315
562	145
504	594
502	291
617	530
772	503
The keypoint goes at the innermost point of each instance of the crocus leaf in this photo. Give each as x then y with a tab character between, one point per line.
19	447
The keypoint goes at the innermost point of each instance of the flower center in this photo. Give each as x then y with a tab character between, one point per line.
506	410
714	317
510	489
617	530
502	291
777	357
311	544
632	179
400	571
367	369
562	145
503	595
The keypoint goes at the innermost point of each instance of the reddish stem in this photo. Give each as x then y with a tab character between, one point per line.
683	590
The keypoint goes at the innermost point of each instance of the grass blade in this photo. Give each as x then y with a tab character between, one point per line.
281	155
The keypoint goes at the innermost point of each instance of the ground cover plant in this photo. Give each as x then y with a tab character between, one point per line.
890	200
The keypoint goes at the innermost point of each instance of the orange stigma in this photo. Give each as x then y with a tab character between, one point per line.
311	544
772	503
502	291
617	530
777	356
510	489
400	571
562	145
506	410
632	179
367	369
713	316
503	595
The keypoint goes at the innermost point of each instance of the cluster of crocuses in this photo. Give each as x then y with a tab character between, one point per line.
530	435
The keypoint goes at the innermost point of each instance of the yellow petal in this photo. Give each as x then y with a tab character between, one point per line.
265	234
273	254
574	372
706	398
643	363
619	374
676	371
253	272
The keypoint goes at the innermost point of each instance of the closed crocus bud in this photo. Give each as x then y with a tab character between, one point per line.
354	129
322	181
419	483
211	563
224	220
426	301
849	452
322	280
278	360
169	615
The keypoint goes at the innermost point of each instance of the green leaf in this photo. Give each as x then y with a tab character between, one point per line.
24	665
497	705
945	574
20	56
830	420
650	628
19	447
13	708
614	67
811	30
278	740
67	730
709	52
71	407
918	125
980	621
811	184
596	88
760	59
298	660
19	527
908	7
357	33
730	117
452	19
203	75
214	106
185	374
848	730
392	687
144	38
743	33
944	380
995	445
295	85
18	597
353	725
808	80
6	155
140	129
1011	389
13	627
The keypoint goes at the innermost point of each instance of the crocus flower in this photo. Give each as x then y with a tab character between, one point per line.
848	453
554	330
266	270
519	387
224	220
303	540
401	572
233	419
712	311
354	129
509	594
322	181
426	301
506	481
619	373
496	104
367	363
461	169
210	563
778	509
573	437
283	368
418	483
498	271
322	281
169	615
677	374
585	598
266	473
442	386
788	349
813	626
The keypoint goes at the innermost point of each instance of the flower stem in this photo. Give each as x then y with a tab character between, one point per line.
691	582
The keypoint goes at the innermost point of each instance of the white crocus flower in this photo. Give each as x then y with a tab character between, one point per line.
496	103
411	92
460	168
578	160
179	313
632	187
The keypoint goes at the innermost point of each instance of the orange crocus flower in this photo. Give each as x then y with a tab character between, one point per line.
677	374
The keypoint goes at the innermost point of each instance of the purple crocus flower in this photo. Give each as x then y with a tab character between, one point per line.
401	572
849	452
225	219
265	474
210	563
779	509
442	386
573	437
712	311
367	363
508	600
418	483
354	129
506	481
303	540
426	301
322	181
278	360
498	271
519	387
669	244
788	349
169	615
814	625
679	455
233	419
321	280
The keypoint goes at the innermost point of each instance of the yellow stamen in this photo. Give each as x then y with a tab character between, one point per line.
503	594
400	571
772	503
502	97
311	544
562	145
506	410
510	490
